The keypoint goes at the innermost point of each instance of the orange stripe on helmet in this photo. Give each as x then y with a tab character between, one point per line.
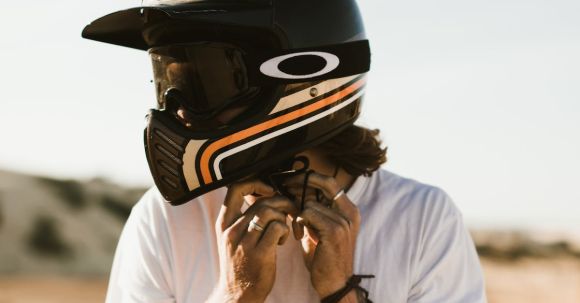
241	135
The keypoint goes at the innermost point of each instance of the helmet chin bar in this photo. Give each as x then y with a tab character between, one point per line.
165	149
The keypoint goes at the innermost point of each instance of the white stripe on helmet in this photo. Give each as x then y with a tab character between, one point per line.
279	132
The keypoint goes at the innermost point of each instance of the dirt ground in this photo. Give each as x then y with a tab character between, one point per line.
527	280
533	280
52	290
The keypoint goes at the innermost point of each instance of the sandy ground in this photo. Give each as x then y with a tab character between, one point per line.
533	281
527	280
52	290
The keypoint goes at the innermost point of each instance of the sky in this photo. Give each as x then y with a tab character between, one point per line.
480	98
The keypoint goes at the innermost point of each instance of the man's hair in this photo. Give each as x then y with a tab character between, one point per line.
356	149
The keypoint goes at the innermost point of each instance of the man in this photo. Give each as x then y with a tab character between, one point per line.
265	190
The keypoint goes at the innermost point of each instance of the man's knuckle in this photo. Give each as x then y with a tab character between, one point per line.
233	190
338	232
262	202
241	188
264	214
308	213
276	201
267	212
344	224
331	181
333	233
277	226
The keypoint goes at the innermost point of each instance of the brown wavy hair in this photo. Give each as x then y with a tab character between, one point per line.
356	149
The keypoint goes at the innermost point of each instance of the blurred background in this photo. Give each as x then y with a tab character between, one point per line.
481	98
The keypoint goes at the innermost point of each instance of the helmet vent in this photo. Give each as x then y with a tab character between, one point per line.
168	154
169	182
164	153
168	140
168	168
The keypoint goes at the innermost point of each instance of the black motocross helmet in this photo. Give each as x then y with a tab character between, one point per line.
259	81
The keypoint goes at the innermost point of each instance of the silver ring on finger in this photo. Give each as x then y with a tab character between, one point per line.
339	194
255	226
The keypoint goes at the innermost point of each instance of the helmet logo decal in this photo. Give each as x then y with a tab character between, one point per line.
283	66
272	67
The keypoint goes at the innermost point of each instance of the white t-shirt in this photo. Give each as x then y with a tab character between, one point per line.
411	238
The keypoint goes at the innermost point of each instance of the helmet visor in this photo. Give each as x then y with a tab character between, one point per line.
202	78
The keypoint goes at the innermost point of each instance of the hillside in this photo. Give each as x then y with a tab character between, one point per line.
50	226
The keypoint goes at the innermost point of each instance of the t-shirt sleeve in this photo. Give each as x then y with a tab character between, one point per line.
141	269
447	266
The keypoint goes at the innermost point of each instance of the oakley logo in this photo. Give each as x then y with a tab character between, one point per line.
272	67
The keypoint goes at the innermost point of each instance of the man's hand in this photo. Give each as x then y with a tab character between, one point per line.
329	234
248	253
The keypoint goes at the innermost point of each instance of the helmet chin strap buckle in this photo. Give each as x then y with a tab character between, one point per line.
277	177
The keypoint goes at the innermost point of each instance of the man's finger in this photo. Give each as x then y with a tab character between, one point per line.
277	207
263	218
317	221
279	203
330	189
231	209
297	229
331	214
348	209
276	233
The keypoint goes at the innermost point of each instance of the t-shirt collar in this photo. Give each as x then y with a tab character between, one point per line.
355	192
